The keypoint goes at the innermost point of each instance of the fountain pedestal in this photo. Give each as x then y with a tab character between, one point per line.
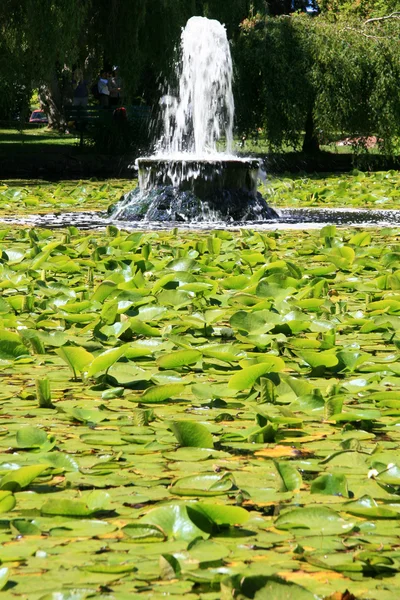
194	190
205	178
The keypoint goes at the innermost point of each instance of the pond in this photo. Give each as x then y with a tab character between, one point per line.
208	411
289	219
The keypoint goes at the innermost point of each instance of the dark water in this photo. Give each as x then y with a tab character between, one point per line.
289	218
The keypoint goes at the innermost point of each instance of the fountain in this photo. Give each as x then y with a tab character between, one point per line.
193	174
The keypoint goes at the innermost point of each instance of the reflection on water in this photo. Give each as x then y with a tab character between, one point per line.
289	218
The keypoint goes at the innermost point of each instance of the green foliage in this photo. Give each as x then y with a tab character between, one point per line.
342	73
208	446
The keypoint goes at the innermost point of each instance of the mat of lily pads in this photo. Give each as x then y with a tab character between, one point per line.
199	415
357	189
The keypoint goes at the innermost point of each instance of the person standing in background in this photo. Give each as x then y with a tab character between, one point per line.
114	85
80	87
104	90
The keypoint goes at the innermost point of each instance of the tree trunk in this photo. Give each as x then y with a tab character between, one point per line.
310	142
52	99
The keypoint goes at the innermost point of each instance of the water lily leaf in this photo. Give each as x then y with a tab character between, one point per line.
78	359
320	520
319	359
170	567
207	551
180	358
225	352
221	514
21	478
248	376
102	567
60	460
369	508
105	360
79	527
111	393
191	433
95	502
85	415
182	264
141	328
141	532
362	238
31	437
11	346
329	483
282	590
291	478
205	484
25	527
102	439
127	375
257	322
103	290
389	474
4	577
160	393
179	522
7	501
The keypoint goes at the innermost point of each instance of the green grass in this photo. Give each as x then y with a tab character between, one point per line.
33	136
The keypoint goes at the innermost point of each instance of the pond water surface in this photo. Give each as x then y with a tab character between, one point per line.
289	218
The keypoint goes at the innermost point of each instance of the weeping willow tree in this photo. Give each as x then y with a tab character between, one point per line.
303	78
41	41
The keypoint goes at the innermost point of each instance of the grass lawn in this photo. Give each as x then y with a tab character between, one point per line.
34	136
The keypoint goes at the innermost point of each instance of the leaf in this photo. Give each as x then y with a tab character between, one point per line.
22	477
283	590
78	359
177	521
103	290
159	393
140	532
221	514
254	322
96	501
318	520
331	484
4	577
105	360
7	501
31	437
169	567
191	433
11	346
204	484
291	478
248	376
180	358
319	359
369	508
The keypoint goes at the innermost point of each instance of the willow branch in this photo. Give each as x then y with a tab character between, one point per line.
359	32
393	15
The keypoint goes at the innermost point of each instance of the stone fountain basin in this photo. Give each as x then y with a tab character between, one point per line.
204	177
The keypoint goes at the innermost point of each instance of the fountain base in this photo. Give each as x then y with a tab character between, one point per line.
195	190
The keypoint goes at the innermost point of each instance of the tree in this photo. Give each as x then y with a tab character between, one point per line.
317	75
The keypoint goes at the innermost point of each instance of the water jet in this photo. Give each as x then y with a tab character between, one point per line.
193	174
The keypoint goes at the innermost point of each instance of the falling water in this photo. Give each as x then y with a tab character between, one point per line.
193	174
202	113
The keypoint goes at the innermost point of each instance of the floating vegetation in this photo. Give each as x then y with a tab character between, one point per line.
207	414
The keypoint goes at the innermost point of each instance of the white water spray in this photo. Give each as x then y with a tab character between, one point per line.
202	114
